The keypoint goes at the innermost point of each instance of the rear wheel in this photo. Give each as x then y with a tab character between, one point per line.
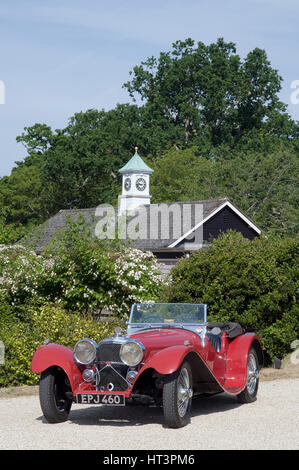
177	397
54	403
248	395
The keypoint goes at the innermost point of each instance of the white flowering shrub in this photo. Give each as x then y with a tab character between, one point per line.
138	279
80	275
21	274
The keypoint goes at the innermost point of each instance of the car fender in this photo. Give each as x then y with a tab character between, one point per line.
168	360
55	355
237	359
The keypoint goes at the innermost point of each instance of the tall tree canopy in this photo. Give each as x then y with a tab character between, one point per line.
264	186
209	95
224	112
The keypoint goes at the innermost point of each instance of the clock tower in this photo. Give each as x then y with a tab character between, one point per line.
135	184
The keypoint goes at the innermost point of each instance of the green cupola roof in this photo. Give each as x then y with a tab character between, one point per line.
136	164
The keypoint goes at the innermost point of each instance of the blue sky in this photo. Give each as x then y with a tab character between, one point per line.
59	57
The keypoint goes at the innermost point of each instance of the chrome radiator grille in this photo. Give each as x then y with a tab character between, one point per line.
108	352
113	374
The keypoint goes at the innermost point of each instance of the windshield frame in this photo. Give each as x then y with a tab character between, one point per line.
165	324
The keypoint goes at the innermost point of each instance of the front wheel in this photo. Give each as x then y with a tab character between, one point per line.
54	403
177	397
248	395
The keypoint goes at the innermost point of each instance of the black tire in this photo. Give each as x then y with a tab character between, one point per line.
177	397
248	395
52	395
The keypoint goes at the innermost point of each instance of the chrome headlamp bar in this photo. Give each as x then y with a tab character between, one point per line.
132	352
85	351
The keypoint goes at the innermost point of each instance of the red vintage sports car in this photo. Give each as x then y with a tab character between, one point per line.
169	355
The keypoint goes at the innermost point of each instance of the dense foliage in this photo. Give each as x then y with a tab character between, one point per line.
254	283
211	124
264	186
61	295
195	95
79	274
207	95
22	338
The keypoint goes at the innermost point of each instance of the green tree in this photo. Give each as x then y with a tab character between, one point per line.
21	194
263	185
22	203
196	96
79	164
182	175
209	95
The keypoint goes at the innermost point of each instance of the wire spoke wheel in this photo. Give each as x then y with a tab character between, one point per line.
177	397
248	395
252	374
183	392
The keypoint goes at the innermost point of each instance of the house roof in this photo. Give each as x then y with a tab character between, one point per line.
45	233
225	203
176	224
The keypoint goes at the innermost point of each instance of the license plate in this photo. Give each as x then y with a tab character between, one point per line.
97	399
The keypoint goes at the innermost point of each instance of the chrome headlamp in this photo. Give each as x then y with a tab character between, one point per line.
85	351
131	353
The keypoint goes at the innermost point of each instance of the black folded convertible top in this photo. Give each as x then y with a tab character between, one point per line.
231	329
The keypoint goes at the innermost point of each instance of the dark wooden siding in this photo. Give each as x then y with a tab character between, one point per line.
224	220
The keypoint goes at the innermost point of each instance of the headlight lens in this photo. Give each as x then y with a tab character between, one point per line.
131	353
85	351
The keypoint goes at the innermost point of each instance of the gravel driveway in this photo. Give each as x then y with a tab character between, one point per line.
219	422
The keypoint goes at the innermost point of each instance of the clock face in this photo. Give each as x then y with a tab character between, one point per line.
141	184
127	184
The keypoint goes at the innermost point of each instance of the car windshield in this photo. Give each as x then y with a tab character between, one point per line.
168	313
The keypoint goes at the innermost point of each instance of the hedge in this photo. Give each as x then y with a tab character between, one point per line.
254	283
21	339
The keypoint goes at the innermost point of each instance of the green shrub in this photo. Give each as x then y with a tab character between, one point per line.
80	273
280	335
254	283
51	322
59	294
